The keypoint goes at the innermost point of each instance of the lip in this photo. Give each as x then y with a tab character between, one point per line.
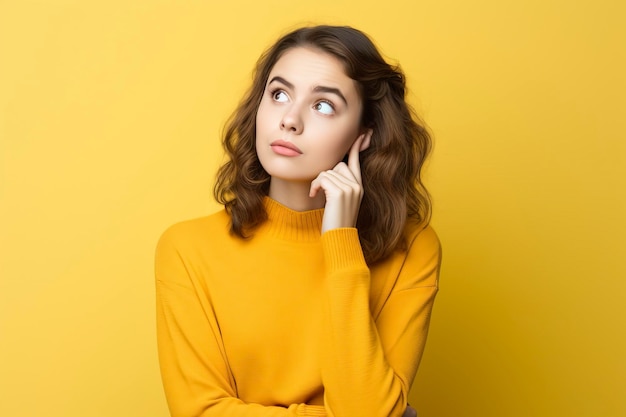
285	148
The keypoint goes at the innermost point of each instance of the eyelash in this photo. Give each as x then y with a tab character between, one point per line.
275	91
332	106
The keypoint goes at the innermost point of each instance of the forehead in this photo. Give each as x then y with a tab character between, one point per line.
311	67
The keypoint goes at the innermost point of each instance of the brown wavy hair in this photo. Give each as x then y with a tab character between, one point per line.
391	166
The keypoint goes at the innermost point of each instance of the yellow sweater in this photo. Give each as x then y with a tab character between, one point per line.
289	322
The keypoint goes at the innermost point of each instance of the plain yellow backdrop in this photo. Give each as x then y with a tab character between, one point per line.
110	115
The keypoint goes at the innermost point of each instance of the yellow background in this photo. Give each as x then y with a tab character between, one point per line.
109	132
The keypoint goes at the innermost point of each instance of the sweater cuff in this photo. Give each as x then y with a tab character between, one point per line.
342	249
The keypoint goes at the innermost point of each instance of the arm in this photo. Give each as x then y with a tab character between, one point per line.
194	366
370	362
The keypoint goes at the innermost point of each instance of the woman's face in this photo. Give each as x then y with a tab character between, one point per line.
309	115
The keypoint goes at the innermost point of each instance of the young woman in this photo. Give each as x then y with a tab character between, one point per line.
310	293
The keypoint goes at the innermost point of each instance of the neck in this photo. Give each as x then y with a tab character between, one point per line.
295	195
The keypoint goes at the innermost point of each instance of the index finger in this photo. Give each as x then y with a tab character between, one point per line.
354	164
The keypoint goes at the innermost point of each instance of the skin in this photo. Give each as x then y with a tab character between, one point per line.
409	412
310	102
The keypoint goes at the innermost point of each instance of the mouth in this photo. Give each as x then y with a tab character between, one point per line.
285	148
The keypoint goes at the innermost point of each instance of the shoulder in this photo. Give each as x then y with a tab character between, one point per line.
422	256
185	249
194	232
421	237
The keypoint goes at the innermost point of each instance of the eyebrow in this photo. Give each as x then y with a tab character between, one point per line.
317	89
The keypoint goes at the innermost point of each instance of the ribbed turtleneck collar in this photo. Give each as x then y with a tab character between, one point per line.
285	223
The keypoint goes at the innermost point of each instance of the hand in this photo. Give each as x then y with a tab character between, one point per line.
409	412
343	189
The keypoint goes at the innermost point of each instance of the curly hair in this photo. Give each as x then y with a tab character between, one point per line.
393	192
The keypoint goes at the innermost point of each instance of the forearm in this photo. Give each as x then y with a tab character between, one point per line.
356	374
358	379
371	357
234	407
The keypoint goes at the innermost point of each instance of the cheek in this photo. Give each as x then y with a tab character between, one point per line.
267	121
259	117
263	111
344	138
336	148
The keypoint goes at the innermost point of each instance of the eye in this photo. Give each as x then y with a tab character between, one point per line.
324	107
279	95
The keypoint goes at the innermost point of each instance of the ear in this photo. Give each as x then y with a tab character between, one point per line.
366	137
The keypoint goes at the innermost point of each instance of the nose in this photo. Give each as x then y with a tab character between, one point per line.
292	121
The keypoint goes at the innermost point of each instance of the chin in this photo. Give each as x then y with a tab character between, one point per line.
290	177
288	172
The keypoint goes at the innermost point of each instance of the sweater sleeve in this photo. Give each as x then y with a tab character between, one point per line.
194	366
370	362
